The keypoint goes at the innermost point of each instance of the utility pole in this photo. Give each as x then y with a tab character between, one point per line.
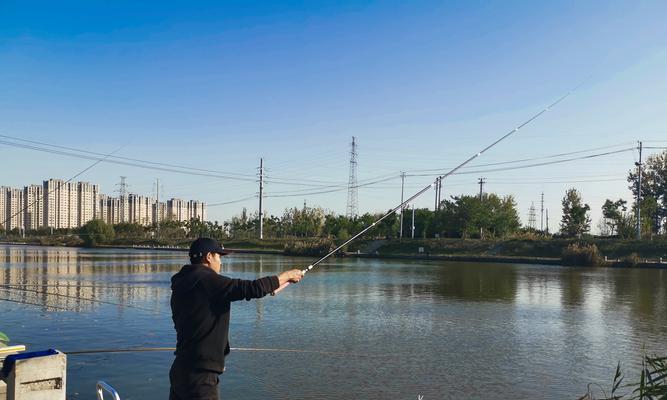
413	221
481	193
639	192
547	221
438	190
481	187
400	234
261	193
542	213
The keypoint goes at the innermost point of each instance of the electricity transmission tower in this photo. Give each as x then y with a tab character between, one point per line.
352	202
122	193
122	187
542	213
261	196
531	215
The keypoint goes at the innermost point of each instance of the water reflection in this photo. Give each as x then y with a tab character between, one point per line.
477	282
525	331
67	279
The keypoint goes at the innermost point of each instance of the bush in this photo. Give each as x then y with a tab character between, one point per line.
96	232
631	260
581	255
318	247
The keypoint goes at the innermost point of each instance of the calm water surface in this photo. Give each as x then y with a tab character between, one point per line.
372	329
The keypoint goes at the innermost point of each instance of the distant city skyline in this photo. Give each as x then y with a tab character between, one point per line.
61	204
218	85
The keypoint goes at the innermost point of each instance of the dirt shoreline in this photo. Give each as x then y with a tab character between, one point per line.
613	263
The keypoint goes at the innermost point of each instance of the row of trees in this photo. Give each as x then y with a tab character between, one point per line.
489	216
462	216
98	232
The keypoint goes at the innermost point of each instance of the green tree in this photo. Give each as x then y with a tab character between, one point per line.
653	192
96	232
172	230
466	216
129	231
617	219
575	220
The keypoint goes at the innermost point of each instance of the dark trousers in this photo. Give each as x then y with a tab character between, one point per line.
192	384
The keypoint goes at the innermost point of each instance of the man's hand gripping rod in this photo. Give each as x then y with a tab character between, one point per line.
441	177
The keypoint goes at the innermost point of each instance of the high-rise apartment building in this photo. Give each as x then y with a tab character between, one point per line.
15	215
113	210
140	209
159	212
124	208
73	205
196	210
66	205
177	210
4	216
87	195
102	208
33	203
56	204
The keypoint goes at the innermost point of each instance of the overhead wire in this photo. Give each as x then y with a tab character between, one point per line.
159	166
122	158
527	159
232	201
61	185
331	190
535	164
430	186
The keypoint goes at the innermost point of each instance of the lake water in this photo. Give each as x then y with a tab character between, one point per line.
364	329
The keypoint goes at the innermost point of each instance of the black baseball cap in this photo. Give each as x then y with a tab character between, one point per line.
201	246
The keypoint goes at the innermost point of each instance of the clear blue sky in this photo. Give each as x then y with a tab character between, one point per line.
219	84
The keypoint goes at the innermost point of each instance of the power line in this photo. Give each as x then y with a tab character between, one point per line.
536	164
119	157
61	184
331	190
165	167
525	159
120	162
232	201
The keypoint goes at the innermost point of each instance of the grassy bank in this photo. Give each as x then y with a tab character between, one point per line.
612	249
547	248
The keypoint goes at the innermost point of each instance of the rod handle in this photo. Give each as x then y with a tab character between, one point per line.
283	286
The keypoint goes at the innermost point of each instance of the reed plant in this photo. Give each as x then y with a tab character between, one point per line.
581	254
652	384
315	247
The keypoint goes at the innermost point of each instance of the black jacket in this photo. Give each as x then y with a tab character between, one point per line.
200	305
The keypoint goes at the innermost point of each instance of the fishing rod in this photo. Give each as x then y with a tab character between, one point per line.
436	182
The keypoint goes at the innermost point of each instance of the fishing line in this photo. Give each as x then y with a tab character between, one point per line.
23	289
248	349
32	304
437	180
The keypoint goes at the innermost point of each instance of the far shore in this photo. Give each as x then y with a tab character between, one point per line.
389	255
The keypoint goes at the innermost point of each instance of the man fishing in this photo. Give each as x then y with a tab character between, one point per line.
200	306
